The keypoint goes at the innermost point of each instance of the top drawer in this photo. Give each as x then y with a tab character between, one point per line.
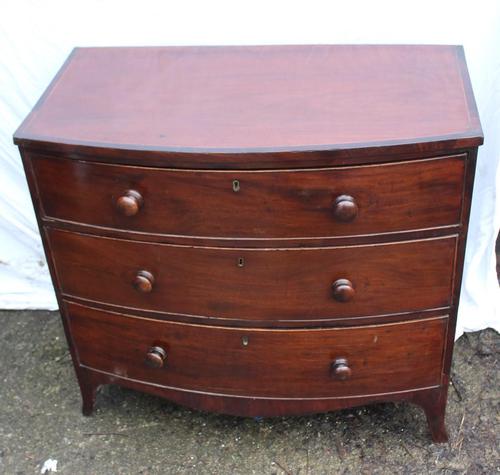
343	201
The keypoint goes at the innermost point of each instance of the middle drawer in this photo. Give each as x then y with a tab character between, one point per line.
256	284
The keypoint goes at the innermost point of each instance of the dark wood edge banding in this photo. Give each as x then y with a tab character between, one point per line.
465	139
471	136
468	92
20	130
253	161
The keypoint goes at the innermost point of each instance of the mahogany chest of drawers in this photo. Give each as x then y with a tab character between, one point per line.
258	231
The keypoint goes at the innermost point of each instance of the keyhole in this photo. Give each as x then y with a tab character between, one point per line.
244	340
236	186
241	262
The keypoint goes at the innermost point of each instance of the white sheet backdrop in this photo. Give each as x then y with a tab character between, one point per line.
36	37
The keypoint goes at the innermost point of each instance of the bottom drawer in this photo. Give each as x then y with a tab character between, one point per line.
305	363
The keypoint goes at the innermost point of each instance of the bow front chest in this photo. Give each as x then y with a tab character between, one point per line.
262	230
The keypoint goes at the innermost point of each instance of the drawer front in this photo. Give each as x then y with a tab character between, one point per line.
262	363
263	204
256	284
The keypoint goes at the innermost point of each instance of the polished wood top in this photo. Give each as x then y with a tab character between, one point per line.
257	99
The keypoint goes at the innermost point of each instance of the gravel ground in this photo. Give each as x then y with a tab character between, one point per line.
133	433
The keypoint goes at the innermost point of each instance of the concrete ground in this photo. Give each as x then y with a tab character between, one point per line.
133	433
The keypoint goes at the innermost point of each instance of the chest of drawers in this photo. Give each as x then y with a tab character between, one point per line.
258	231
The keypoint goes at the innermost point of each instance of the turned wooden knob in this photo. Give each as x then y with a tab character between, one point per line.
340	369
155	357
343	291
345	208
143	281
129	203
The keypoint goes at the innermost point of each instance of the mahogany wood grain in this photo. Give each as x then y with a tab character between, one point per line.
268	205
433	402
274	363
252	160
281	284
306	322
86	381
257	99
459	268
303	242
245	202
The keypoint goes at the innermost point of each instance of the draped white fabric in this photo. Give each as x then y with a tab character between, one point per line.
36	37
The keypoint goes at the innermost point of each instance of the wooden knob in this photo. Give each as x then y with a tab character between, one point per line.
343	291
155	357
340	369
143	281
345	208
129	203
